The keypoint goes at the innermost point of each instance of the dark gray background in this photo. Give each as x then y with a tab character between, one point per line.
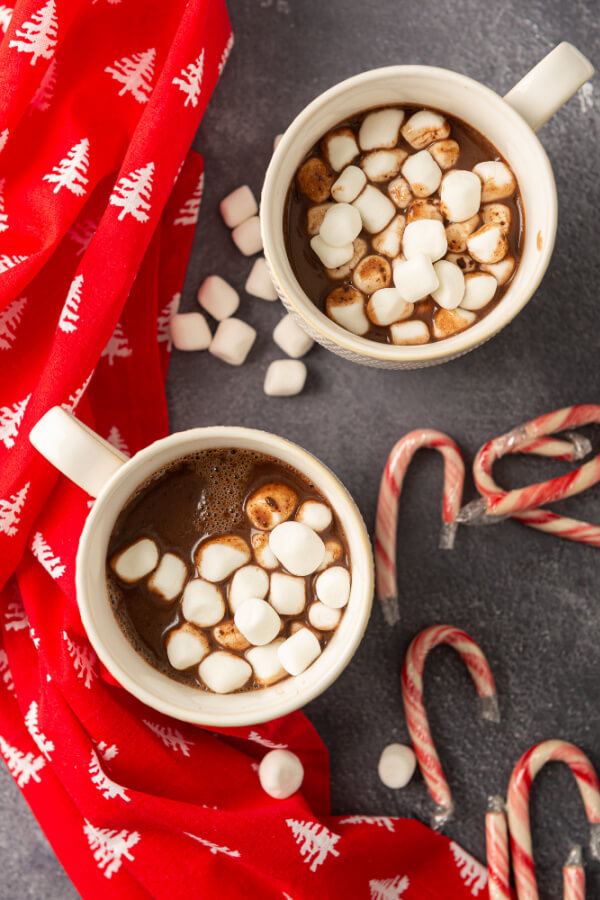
530	600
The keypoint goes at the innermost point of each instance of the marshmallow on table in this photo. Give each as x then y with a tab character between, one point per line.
451	287
381	165
314	179
136	561
186	646
349	184
400	192
257	621
445	153
387	306
340	148
498	182
376	210
380	129
265	663
341	224
413	332
224	672
297	547
488	244
346	306
424	127
359	246
271	504
314	217
423	209
497	214
460	195
322	617
447	322
415	278
202	603
315	514
389	241
287	594
480	288
189	331
228	636
232	341
292	339
169	577
218	557
397	765
458	232
422	173
333	553
247	237
218	298
280	774
502	270
331	257
285	378
424	236
332	587
262	552
259	282
298	652
249	581
372	274
238	206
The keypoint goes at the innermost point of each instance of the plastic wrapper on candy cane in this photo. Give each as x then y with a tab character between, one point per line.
414	706
518	807
496	847
574	876
387	508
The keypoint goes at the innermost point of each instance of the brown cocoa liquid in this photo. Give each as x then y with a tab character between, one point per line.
194	498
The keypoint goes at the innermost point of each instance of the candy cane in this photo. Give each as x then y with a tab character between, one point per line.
414	707
387	508
496	846
574	876
518	806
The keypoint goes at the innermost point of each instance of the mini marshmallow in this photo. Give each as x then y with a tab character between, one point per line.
285	378
423	209
257	621
460	195
341	224
387	306
271	504
424	127
262	552
218	298
381	165
397	765
315	514
451	284
497	180
389	241
488	244
287	594
223	672
139	559
458	232
346	306
445	153
322	617
314	179
332	587
189	331
479	290
168	579
315	216
186	646
238	206
265	662
292	339
232	341
415	278
202	603
349	185
331	257
376	210
463	261
340	272
340	148
413	332
218	557
502	270
497	214
247	237
299	651
372	274
259	282
422	173
280	774
380	129
425	236
228	636
447	322
400	192
297	547
249	581
333	554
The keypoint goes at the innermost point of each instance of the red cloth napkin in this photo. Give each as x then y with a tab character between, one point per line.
99	102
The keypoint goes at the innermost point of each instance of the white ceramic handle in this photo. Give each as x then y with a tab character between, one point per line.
79	453
548	85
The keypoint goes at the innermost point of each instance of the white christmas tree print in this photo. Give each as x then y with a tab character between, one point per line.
23	766
107	787
10	318
118	346
135	74
6	13
84	660
10	421
71	170
110	846
15	618
3	216
163	335
73	401
225	54
381	821
265	742
472	872
132	193
81	234
388	888
45	92
10	511
44	555
38	36
316	842
3	138
44	745
5	672
189	80
69	315
114	438
214	848
189	212
9	262
171	737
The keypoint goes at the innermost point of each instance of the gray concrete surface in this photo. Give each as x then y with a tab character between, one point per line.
531	601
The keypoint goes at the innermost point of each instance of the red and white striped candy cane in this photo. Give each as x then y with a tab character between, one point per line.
574	876
517	805
496	846
414	706
387	507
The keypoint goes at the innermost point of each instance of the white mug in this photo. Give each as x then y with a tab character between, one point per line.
106	474
509	123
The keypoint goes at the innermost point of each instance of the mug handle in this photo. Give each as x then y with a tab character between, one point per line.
76	450
548	85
